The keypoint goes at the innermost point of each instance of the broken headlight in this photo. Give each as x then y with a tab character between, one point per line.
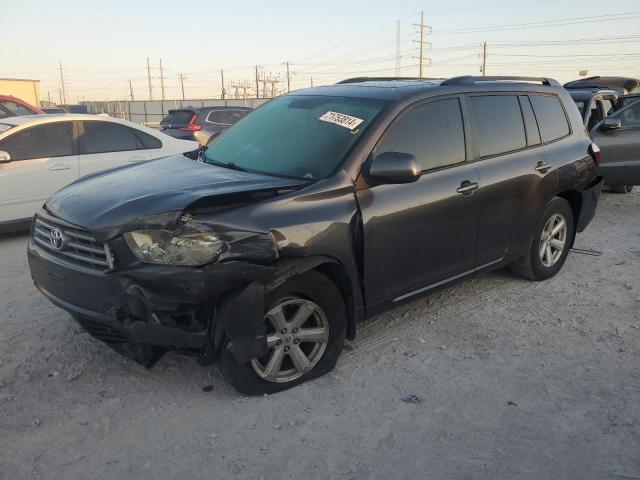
184	249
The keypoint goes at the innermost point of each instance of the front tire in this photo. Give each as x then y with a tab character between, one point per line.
551	243
306	323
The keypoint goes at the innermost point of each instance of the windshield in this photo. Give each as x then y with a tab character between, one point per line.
296	136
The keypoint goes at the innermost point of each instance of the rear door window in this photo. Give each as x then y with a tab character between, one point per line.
499	127
101	137
44	141
433	132
225	117
552	120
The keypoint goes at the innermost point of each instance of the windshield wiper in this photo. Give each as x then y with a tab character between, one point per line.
229	165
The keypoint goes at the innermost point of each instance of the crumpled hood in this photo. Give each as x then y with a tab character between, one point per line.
112	199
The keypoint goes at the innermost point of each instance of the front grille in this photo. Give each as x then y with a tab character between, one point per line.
78	248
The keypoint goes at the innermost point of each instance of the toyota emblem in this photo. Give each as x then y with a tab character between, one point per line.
56	238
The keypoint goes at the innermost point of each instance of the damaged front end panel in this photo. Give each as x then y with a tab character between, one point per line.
166	288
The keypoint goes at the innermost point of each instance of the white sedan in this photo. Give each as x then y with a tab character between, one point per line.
41	154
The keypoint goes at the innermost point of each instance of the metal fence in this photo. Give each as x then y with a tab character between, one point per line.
151	112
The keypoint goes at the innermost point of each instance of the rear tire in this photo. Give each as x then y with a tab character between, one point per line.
551	243
320	338
621	188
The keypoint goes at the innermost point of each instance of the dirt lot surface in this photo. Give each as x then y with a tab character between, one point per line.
511	379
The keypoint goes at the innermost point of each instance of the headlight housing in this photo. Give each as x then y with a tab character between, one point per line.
166	247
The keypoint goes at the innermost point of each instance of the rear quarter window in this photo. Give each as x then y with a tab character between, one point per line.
148	141
552	119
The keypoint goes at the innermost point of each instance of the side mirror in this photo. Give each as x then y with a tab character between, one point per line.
394	167
4	157
610	123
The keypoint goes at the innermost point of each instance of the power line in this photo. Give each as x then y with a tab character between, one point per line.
544	23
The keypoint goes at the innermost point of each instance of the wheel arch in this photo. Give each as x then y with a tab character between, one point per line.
247	303
574	199
335	271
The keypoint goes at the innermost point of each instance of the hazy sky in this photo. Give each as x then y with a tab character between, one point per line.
104	44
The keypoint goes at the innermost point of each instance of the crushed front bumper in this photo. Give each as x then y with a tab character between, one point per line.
144	309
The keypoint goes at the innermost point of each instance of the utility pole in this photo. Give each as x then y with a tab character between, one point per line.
257	84
63	89
161	79
311	82
423	28
288	79
397	48
182	79
483	68
224	92
131	90
149	79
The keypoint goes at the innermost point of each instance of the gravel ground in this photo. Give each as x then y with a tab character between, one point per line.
512	380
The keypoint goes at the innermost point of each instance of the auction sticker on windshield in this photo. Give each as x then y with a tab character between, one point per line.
346	121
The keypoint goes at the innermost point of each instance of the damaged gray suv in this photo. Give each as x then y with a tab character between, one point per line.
320	208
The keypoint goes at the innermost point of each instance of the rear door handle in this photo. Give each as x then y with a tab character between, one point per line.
59	166
137	159
542	167
467	187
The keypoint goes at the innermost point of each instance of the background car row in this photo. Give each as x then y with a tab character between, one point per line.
41	154
610	109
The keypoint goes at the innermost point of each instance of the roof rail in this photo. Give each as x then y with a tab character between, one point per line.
470	80
380	79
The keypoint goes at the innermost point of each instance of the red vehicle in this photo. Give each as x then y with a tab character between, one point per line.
12	106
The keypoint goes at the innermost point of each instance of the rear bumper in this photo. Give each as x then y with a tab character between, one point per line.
590	197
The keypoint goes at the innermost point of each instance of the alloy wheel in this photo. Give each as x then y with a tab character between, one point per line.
297	336
553	240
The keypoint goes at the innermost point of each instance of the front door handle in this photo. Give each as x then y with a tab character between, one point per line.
137	159
467	187
542	167
59	166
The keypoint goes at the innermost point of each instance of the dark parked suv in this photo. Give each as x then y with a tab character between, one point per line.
201	124
322	207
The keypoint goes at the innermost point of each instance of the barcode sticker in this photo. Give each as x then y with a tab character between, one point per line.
346	121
